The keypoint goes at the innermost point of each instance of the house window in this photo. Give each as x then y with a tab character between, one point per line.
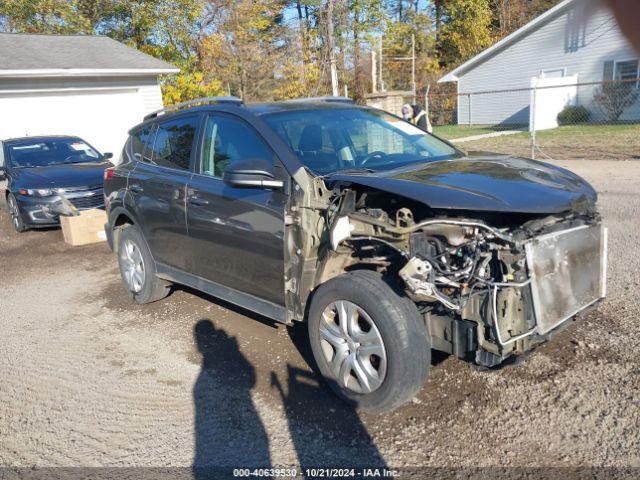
626	70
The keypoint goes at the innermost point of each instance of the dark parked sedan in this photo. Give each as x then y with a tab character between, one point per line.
45	174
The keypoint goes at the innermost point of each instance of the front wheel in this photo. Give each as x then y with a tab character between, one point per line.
16	216
369	342
137	267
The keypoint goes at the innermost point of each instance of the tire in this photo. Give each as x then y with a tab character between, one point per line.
371	378
138	269
14	211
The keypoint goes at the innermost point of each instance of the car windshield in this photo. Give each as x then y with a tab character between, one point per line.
42	153
334	140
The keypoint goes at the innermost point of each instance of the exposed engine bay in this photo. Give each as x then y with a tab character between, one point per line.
488	285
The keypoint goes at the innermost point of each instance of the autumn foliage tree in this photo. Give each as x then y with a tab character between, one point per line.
278	49
467	29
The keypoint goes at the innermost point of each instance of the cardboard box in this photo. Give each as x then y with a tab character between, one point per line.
86	228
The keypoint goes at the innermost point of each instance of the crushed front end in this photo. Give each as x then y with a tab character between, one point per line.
488	288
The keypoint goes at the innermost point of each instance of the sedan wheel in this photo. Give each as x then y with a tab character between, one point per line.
134	272
14	211
353	347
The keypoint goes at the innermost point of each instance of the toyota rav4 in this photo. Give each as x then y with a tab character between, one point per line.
387	241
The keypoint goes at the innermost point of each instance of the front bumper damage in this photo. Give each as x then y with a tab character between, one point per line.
564	274
486	293
42	212
489	285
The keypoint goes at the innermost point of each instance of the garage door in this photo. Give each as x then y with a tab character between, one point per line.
102	118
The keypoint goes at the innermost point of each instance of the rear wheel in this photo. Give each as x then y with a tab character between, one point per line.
369	342
137	268
14	211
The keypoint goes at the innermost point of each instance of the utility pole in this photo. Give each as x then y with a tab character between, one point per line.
374	73
413	66
426	100
382	89
332	52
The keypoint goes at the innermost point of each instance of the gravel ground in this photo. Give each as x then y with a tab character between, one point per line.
89	379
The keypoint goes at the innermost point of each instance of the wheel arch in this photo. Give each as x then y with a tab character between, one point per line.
119	218
335	263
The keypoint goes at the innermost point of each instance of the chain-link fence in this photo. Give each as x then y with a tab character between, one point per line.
555	118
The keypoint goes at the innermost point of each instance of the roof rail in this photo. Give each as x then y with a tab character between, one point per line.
195	102
328	99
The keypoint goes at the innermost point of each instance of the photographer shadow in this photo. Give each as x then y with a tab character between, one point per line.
325	431
228	428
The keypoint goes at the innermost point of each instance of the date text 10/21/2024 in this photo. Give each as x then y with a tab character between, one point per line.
316	472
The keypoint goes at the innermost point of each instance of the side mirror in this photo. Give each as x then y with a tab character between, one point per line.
251	173
3	174
107	156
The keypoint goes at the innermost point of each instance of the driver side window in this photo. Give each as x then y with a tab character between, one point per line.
227	140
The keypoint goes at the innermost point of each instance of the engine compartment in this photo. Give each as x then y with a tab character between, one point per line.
467	272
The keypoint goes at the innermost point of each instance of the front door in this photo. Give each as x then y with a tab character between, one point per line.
158	186
236	234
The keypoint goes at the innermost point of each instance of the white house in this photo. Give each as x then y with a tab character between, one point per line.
566	45
90	86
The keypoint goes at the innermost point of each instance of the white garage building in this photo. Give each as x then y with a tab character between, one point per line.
90	86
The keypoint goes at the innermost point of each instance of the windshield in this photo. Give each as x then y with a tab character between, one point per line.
336	140
42	153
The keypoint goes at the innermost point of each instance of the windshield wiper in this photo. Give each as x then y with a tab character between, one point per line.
351	170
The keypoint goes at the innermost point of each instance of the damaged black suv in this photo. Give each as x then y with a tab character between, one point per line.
387	241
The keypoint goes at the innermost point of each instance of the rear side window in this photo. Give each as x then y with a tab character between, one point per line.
141	144
174	142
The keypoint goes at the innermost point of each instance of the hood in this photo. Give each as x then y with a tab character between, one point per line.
484	182
60	176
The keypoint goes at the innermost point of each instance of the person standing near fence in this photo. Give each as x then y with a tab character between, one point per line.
416	115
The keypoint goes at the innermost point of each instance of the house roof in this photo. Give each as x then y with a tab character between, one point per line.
507	41
26	55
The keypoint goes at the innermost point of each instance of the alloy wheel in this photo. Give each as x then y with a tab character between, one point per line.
353	347
14	212
133	266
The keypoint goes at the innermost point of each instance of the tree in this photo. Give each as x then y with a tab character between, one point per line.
366	17
44	16
466	29
331	49
244	49
273	49
614	98
188	86
397	43
509	15
162	28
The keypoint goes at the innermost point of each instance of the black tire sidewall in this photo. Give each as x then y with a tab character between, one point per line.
403	332
148	292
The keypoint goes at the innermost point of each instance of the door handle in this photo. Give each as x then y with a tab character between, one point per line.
136	188
198	202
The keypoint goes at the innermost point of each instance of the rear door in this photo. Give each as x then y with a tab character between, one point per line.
157	186
236	234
